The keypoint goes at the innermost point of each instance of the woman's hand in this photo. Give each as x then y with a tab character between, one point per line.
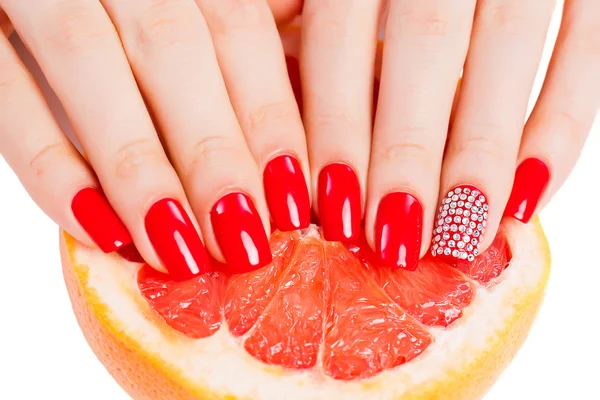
413	162
212	77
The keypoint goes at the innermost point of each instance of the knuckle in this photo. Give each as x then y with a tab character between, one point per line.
480	147
137	155
167	22
429	19
48	156
266	115
235	15
210	151
75	25
515	17
333	120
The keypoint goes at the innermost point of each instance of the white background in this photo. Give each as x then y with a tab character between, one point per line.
44	355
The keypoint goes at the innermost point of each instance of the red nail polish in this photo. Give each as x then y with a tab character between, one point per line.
96	216
531	179
339	202
176	240
131	254
287	194
460	223
398	230
240	233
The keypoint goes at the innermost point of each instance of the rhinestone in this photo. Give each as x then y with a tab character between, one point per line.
480	227
433	253
467	213
468	205
485	207
446	236
443	243
470	257
485	214
461	203
452	211
466	238
484	223
469	247
456	236
463	255
480	218
461	228
475	193
447	251
465	221
446	206
454	198
444	213
476	252
457	219
457	190
469	231
463	196
440	221
467	190
482	198
448	219
476	234
447	200
455	253
446	227
439	250
438	229
472	225
474	242
460	245
450	193
480	211
453	228
474	217
435	246
453	204
471	199
451	243
477	203
437	238
459	211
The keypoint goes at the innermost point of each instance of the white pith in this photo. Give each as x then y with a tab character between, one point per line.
220	365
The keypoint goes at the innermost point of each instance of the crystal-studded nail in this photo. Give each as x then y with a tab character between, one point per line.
470	211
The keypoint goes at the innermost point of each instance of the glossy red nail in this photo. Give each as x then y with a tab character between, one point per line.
240	233
531	179
339	202
460	223
398	230
176	240
287	194
96	216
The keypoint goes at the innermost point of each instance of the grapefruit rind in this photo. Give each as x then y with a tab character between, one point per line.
150	361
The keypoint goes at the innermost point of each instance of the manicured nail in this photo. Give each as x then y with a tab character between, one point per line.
287	194
398	229
240	233
461	222
131	254
176	240
531	179
96	216
339	202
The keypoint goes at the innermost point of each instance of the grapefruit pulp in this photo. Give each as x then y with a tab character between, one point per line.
322	320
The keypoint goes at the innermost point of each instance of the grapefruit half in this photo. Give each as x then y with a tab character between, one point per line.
322	321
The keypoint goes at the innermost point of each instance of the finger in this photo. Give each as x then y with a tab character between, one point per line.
253	65
170	50
50	168
284	11
78	49
425	48
337	66
506	45
562	118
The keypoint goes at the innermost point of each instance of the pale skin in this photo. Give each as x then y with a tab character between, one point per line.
191	99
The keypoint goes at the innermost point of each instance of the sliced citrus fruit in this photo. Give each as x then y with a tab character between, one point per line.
322	321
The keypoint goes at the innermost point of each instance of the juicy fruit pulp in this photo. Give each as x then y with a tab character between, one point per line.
320	304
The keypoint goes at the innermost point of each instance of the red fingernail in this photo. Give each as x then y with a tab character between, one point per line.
240	233
131	254
176	240
398	229
460	223
287	194
339	202
531	179
96	216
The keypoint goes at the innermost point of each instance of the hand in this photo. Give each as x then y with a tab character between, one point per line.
413	162
213	77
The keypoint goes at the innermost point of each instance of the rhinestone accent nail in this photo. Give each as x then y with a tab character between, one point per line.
464	210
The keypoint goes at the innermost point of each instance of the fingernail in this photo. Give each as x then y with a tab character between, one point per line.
398	229
240	233
531	179
287	194
96	216
131	254
339	202
176	240
460	223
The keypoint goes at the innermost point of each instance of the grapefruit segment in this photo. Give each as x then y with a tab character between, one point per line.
191	307
488	266
290	330
366	331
